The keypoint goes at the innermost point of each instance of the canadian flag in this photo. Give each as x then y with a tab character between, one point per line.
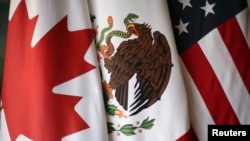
51	85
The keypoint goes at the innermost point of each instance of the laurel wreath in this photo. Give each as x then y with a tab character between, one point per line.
129	129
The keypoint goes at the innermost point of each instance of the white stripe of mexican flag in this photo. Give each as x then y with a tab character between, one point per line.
166	119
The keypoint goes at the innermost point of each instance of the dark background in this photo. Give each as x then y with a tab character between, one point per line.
4	10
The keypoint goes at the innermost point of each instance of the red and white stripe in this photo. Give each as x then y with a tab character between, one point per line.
218	78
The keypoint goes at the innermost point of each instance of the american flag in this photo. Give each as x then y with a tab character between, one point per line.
213	41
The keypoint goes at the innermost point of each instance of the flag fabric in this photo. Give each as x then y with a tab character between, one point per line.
51	85
144	92
124	70
213	40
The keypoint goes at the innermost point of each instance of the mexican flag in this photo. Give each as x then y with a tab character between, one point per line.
144	93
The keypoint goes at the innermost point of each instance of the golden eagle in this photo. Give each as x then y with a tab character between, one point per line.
149	58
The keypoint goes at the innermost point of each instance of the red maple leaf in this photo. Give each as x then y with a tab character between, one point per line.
31	108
